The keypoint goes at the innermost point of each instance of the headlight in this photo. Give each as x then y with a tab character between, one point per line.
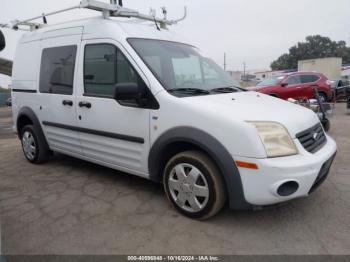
275	138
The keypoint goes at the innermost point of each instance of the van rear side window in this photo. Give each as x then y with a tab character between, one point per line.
57	70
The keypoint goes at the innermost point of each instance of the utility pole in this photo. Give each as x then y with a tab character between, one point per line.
225	62
244	67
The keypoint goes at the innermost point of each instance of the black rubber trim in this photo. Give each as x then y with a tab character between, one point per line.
213	148
306	140
154	105
134	139
323	174
307	131
98	96
29	113
24	90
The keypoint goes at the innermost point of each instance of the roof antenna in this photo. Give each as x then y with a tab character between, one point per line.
155	21
152	12
44	19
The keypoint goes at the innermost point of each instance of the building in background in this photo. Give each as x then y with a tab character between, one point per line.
261	75
236	75
345	72
331	67
246	79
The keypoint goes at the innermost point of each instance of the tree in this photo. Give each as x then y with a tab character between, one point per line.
315	47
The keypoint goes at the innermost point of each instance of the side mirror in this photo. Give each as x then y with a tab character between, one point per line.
2	41
284	84
127	91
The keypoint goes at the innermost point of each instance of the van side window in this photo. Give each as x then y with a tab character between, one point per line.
104	67
57	70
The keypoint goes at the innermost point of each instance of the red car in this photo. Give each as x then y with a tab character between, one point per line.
298	85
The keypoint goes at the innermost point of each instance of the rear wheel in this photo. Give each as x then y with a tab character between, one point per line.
33	145
194	185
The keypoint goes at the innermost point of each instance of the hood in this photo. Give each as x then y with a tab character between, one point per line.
253	88
252	106
264	89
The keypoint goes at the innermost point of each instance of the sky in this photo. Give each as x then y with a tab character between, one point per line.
252	31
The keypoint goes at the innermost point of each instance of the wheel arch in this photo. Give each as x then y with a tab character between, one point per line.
187	138
25	117
322	92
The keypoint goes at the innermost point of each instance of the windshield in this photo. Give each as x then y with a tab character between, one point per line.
271	81
180	67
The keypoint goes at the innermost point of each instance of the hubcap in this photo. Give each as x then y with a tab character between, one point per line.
28	144
188	187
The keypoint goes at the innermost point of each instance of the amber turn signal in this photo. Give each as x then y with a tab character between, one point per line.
246	165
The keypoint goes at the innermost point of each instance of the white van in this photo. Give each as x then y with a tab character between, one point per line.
133	97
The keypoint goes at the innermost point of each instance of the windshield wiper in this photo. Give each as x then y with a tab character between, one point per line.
189	90
225	90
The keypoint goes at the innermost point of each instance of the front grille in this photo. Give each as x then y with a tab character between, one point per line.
322	175
313	138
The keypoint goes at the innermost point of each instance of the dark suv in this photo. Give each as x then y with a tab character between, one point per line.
297	85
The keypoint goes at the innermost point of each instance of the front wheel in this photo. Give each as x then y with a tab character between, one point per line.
194	185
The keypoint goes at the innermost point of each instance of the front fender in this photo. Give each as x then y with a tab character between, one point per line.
213	148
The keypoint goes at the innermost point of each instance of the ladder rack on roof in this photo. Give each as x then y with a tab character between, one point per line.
108	10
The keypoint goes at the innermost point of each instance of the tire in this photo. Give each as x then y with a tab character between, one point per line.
33	145
193	184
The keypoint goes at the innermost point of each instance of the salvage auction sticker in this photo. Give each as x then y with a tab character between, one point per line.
173	258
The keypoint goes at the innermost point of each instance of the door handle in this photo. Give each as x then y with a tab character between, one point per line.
67	102
84	104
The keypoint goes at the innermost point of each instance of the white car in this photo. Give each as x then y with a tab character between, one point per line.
133	97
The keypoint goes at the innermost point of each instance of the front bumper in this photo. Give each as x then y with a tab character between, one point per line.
309	170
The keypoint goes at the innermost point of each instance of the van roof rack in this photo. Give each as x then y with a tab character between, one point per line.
108	10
